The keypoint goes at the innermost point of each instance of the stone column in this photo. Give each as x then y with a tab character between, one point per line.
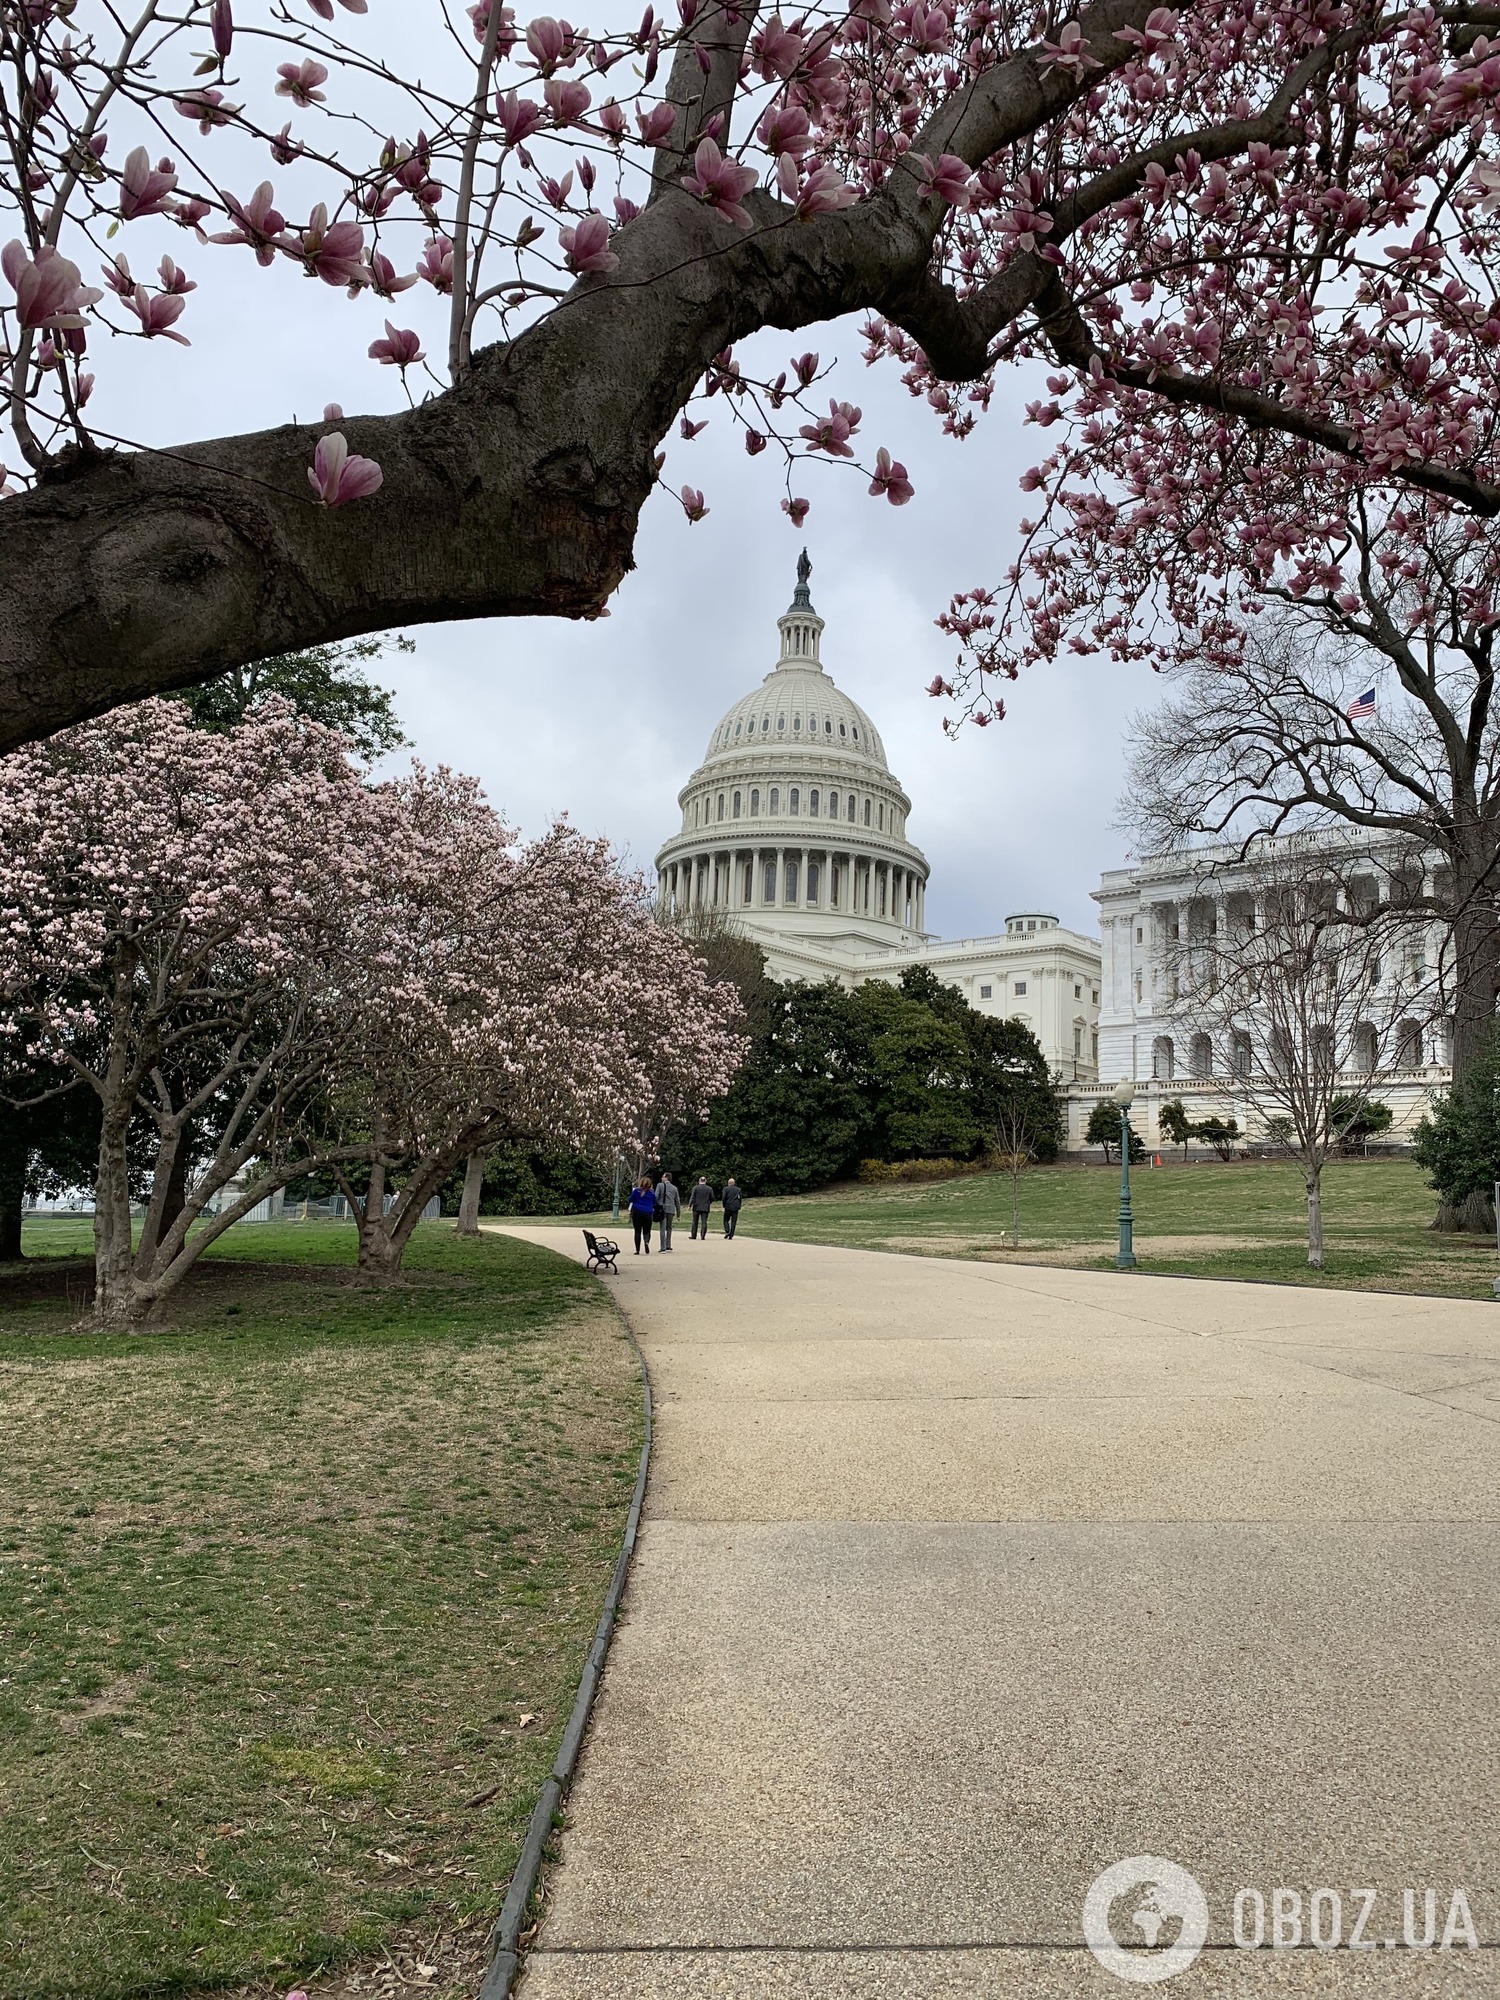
780	878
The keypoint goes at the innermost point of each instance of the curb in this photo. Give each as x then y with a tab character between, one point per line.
505	1938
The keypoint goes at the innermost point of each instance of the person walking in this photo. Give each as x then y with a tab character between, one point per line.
731	1198
700	1201
643	1212
668	1208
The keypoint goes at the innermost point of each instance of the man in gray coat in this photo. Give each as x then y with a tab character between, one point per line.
668	1208
700	1201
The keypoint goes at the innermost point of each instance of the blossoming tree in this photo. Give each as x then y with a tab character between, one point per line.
1270	216
552	1009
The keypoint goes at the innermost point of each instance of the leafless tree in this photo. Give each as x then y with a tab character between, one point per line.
1310	1002
1264	743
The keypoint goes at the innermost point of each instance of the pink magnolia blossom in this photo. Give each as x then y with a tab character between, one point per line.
548	41
400	348
221	27
332	251
338	476
612	119
383	278
324	8
143	188
720	183
693	504
586	245
656	124
301	81
257	222
785	130
206	107
1070	51
49	289
755	443
890	479
796	510
833	432
824	192
157	312
567	101
777	49
333	413
519	117
945	180
436	263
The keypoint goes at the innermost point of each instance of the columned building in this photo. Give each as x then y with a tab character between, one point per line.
794	827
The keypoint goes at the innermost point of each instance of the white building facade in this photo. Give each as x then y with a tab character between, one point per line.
795	827
1149	912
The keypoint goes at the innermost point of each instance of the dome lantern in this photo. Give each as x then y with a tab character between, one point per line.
800	626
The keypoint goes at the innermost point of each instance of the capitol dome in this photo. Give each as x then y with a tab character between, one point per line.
793	823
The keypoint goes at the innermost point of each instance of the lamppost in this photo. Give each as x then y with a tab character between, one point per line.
620	1161
1125	1256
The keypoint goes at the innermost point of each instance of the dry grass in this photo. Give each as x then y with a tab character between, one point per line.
294	1594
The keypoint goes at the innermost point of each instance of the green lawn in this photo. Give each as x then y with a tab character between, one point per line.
294	1595
1246	1219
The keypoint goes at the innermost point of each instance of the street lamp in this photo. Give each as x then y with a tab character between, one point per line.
1125	1256
620	1161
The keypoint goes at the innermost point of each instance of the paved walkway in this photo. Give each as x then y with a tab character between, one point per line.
960	1583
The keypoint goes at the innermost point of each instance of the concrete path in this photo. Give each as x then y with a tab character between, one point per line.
961	1583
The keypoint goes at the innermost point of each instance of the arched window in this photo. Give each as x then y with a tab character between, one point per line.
827	726
791	882
880	816
833	805
812	802
867	812
843	729
812	881
721	805
1365	1051
770	881
1201	1055
775	798
797	722
735	805
794	800
1162	1060
765	725
749	883
737	728
850	804
781	722
755	805
856	732
1409	1045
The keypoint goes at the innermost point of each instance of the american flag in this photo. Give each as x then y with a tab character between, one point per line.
1365	705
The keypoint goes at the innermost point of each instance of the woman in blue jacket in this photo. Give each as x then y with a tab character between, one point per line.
642	1213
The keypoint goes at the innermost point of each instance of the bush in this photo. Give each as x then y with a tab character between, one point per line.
913	1170
1459	1145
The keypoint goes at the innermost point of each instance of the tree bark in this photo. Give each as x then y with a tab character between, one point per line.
1315	1218
15	1152
514	494
468	1207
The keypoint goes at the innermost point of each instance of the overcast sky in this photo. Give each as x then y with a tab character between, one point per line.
605	721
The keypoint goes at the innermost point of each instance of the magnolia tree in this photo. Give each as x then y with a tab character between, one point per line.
552	1010
178	916
1221	224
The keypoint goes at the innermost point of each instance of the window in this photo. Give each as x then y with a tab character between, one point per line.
1031	923
1094	1048
1139	934
851	808
986	992
770	881
1077	995
755	805
697	804
812	881
738	727
749	882
1137	989
812	802
776	798
765	725
882	818
867	812
833	805
721	805
781	722
843	730
856	732
794	800
796	722
735	805
1020	987
835	878
791	882
1095	999
1077	1043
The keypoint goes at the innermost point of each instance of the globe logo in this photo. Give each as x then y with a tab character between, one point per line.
1145	1919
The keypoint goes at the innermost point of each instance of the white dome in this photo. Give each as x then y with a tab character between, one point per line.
797	707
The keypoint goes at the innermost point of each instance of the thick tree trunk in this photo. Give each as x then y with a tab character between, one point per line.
517	492
1315	1218
468	1207
1476	978
15	1152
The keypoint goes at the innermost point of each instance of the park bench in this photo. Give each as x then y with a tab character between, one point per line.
602	1253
